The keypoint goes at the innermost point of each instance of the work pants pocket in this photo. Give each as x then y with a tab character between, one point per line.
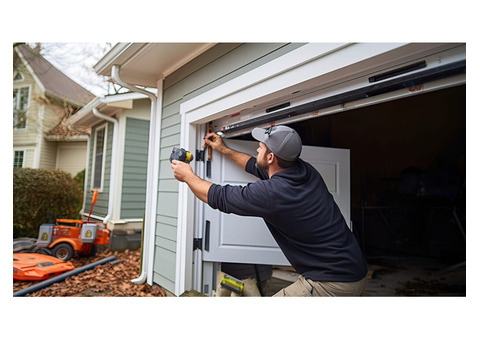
301	287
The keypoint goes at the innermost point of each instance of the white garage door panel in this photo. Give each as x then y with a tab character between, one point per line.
334	166
233	236
233	175
242	239
329	174
236	238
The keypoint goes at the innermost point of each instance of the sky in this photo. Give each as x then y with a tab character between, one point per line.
76	60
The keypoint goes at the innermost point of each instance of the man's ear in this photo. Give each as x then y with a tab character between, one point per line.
270	158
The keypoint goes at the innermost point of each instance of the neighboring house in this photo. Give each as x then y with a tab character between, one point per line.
393	105
116	157
43	98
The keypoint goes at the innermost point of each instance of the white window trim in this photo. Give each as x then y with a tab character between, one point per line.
103	126
28	106
24	155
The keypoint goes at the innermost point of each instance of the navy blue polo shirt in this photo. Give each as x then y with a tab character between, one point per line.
303	218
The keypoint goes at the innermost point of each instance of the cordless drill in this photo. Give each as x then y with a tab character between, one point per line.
180	154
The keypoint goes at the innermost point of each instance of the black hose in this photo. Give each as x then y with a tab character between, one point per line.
61	277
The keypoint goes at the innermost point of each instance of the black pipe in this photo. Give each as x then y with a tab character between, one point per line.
61	277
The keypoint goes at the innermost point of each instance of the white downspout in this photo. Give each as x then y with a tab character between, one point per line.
112	162
152	166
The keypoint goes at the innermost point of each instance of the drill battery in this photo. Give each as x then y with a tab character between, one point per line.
181	154
232	284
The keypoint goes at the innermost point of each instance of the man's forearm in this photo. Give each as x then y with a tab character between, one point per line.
199	187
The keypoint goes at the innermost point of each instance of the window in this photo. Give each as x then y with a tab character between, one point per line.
18	76
99	157
20	107
18	159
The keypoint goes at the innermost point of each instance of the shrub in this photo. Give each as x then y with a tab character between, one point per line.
41	196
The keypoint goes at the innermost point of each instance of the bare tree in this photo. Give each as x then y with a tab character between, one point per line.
76	60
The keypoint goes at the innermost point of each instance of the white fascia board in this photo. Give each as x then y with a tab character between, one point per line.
87	109
266	82
30	70
111	56
187	58
97	102
126	96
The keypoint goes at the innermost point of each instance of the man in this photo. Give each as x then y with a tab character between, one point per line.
297	208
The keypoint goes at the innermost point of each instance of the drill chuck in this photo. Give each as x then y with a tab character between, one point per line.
181	154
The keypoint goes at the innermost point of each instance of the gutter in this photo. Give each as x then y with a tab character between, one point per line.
98	114
151	197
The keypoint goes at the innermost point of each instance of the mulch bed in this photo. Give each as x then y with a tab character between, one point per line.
110	279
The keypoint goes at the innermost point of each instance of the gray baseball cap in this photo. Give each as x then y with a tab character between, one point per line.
282	140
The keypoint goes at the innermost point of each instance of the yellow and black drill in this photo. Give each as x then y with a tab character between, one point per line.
181	154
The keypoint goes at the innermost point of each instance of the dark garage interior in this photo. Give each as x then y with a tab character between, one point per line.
408	169
408	181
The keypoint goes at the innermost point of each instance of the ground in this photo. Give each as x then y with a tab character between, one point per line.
388	276
396	275
110	279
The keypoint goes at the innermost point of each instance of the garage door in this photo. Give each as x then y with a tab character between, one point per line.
232	238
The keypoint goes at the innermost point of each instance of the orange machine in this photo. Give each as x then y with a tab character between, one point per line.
36	267
67	236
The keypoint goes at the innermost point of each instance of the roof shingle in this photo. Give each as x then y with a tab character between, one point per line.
55	82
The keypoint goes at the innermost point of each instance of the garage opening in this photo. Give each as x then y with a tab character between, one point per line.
408	177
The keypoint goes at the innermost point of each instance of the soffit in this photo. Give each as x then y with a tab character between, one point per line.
144	64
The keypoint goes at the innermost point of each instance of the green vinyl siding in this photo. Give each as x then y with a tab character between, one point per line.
221	63
135	168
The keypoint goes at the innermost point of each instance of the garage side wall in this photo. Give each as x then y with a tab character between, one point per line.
216	66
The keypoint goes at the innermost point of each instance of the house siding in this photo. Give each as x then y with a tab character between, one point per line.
42	116
51	116
28	135
26	138
71	156
101	207
48	152
135	168
29	158
44	113
216	66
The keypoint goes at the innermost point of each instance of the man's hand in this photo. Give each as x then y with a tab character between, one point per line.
182	171
217	144
215	141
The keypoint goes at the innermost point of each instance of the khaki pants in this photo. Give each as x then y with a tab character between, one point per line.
307	287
